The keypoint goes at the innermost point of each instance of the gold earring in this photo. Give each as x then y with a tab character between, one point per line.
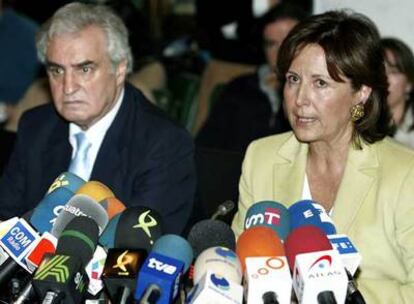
357	112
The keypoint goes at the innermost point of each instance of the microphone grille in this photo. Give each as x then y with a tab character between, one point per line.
210	233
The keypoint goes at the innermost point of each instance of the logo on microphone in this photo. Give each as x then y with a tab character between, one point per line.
271	217
123	261
220	282
271	264
54	268
343	245
60	181
322	262
225	253
144	224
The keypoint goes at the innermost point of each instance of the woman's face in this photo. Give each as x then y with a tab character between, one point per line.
317	106
398	84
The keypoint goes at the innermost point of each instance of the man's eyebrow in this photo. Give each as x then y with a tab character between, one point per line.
84	63
53	64
77	65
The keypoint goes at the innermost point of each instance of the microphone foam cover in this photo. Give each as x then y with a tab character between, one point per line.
80	205
95	190
107	238
211	233
176	247
259	241
112	205
66	180
308	212
79	239
305	239
221	261
270	214
138	228
48	209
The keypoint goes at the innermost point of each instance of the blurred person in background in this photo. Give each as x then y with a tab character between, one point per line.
250	106
228	31
399	65
19	65
338	154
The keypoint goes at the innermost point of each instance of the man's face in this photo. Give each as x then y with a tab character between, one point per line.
273	35
83	83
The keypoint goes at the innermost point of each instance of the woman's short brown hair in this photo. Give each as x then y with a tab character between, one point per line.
352	47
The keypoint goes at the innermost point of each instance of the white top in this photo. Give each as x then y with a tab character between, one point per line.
95	134
307	195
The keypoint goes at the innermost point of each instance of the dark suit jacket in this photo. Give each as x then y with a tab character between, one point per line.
240	115
145	159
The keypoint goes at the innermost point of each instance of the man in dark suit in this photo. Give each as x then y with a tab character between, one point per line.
135	150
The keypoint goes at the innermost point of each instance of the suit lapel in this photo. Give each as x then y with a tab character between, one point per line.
107	167
359	177
289	171
57	153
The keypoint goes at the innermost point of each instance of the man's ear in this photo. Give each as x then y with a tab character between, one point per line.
121	72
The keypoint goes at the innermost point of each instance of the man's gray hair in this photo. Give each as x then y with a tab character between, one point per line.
75	17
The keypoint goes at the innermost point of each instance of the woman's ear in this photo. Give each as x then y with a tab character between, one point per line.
363	94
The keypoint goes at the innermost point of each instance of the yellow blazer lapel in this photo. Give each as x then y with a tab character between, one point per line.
359	177
289	171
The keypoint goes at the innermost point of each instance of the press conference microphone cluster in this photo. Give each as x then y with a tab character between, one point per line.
261	251
322	246
59	207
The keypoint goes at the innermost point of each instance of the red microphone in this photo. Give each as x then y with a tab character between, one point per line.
318	272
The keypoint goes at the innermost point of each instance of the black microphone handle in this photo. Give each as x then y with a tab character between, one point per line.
151	295
326	297
7	270
25	295
52	297
270	297
123	295
355	298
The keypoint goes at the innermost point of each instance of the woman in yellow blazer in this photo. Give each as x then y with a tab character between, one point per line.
335	91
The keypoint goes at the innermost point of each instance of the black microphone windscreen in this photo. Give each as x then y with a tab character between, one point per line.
138	228
211	233
79	238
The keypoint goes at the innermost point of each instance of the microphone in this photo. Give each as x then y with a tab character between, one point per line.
17	242
160	275
80	205
133	232
267	274
94	270
318	272
223	209
219	260
42	219
214	288
95	190
112	206
61	277
68	181
210	233
45	244
120	272
271	214
175	246
107	238
49	208
308	212
143	226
